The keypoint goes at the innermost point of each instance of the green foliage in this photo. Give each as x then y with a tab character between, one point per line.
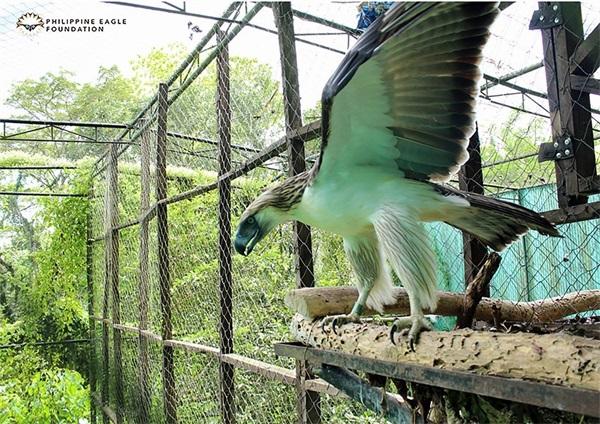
48	96
33	389
517	138
157	66
55	296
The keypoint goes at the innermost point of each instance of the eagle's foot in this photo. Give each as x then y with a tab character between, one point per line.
338	320
411	326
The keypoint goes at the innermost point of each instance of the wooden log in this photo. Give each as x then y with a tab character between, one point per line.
477	288
316	302
552	358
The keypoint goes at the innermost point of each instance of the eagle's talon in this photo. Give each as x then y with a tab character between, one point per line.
336	321
411	327
394	329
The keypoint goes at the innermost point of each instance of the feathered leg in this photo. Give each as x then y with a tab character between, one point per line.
407	248
372	278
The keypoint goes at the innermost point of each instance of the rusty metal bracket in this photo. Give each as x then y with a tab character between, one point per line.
561	148
547	16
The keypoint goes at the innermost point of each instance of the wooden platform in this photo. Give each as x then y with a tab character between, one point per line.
575	400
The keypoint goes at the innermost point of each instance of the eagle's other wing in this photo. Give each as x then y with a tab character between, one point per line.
403	97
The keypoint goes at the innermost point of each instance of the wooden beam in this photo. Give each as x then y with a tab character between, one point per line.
226	371
586	84
89	270
316	302
590	185
440	375
112	277
164	274
309	403
144	278
265	369
570	110
373	398
576	213
586	57
284	21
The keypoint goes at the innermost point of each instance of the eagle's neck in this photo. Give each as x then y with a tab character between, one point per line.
289	194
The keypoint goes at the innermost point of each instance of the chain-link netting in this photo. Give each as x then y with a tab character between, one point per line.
221	133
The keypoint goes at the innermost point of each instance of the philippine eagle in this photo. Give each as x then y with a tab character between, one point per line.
397	115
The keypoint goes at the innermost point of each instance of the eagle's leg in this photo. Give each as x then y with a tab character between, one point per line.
367	263
406	246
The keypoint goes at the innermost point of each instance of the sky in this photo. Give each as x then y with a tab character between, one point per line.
24	55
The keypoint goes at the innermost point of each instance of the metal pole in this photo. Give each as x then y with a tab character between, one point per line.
309	404
105	302
226	371
89	260
143	288
164	275
113	277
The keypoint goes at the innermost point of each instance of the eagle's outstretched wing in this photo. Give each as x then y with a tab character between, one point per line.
403	97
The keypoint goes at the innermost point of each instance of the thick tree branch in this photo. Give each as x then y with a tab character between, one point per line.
477	288
552	358
322	301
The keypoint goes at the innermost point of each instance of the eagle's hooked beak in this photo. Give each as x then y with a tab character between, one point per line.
248	234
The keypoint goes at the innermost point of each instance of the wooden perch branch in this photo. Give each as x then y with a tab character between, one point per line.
552	358
477	288
316	302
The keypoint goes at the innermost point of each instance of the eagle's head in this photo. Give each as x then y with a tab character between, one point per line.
273	207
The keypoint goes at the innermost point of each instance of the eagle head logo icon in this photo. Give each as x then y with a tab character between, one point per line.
30	21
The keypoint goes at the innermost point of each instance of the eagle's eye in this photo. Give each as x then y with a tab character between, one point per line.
251	220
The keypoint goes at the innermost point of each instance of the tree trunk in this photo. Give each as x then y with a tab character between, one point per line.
552	358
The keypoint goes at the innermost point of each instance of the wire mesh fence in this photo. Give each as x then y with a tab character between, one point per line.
184	329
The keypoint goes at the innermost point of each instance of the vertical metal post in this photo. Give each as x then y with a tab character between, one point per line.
309	405
143	288
89	268
113	274
105	301
569	109
164	275
526	241
470	178
226	371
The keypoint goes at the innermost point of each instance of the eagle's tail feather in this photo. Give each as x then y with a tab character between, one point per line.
497	223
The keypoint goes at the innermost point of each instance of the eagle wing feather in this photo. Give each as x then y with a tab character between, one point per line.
404	96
